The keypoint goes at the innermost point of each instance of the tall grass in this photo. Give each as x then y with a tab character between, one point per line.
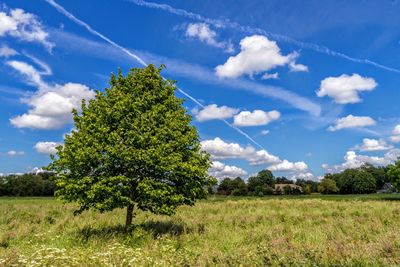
222	232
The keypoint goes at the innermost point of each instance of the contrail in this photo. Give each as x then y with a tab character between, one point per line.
141	61
226	23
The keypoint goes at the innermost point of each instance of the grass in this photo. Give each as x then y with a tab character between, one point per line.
279	231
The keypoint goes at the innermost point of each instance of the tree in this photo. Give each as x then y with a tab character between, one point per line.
327	186
283	180
132	145
262	182
236	187
239	187
393	172
364	183
379	174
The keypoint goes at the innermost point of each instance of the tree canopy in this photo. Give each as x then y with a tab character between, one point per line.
133	144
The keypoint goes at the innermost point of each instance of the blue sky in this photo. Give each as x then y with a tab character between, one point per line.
301	87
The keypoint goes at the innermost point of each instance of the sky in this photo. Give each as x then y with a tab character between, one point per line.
301	88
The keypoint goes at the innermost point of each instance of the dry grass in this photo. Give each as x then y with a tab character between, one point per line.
229	232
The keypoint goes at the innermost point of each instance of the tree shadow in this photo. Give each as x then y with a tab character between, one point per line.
155	228
394	198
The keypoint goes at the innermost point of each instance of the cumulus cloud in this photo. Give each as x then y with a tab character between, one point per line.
219	149
395	138
51	105
255	118
351	122
6	51
46	147
204	33
345	89
23	26
354	160
13	153
221	170
258	54
287	166
373	145
213	112
52	109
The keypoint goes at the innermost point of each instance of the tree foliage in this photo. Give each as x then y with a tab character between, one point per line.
327	186
261	184
28	184
394	174
133	145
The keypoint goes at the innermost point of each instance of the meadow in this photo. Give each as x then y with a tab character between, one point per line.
314	230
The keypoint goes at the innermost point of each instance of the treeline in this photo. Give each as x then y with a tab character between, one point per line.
28	184
364	180
265	183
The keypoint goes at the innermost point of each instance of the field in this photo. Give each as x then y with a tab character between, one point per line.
285	231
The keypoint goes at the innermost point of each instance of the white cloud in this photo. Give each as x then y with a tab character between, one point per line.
23	26
352	122
51	105
345	89
255	118
6	51
264	132
258	54
373	145
396	130
287	166
203	32
219	149
268	76
302	175
262	157
395	138
52	109
213	112
13	153
221	170
354	160
33	76
222	150
46	147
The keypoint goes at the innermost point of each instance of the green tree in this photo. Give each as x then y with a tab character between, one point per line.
393	172
262	182
364	183
327	186
133	145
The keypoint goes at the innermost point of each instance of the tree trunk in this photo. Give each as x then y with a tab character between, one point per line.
129	215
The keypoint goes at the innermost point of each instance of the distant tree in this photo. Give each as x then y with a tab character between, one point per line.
364	183
379	174
27	184
308	186
263	182
133	145
283	180
287	190
225	187
393	172
236	187
307	189
327	186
